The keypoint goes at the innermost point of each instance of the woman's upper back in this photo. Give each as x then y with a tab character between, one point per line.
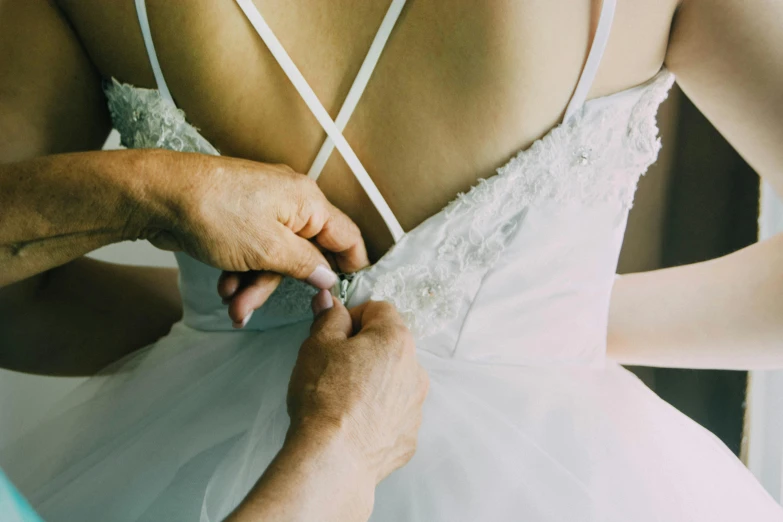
460	87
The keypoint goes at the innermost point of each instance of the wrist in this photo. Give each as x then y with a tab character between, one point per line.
335	453
330	433
156	200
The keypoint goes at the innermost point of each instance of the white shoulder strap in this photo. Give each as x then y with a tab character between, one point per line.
359	84
307	94
593	58
141	11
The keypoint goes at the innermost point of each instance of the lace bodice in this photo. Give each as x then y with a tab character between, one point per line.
590	163
531	250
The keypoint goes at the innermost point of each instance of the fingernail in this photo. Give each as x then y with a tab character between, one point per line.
244	321
322	301
322	277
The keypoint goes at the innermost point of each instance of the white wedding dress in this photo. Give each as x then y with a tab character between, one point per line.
507	291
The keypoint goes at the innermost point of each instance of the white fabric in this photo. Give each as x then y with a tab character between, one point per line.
525	419
507	290
359	84
301	85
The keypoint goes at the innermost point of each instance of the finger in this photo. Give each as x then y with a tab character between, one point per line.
341	235
380	325
322	301
332	324
330	228
255	291
288	254
228	284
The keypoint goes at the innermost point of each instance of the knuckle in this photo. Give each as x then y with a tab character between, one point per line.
403	336
383	307
270	249
306	187
394	335
299	267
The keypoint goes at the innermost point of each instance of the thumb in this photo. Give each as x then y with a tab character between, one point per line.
333	324
297	257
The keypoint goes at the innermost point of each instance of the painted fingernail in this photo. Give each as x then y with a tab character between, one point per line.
244	321
322	277
322	301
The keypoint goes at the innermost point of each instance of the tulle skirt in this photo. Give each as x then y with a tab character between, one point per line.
182	430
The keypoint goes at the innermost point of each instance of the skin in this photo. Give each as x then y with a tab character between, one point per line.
276	227
436	125
725	313
428	128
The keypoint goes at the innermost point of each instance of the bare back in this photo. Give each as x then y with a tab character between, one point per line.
460	87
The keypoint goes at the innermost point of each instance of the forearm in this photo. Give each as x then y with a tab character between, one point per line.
312	478
54	209
723	314
78	318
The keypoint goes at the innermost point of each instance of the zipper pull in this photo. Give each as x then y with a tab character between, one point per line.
343	285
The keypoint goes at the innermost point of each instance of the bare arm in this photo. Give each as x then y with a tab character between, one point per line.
78	318
725	313
56	208
314	477
75	318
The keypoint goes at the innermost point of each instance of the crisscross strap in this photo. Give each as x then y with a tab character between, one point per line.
594	56
333	129
141	12
318	110
359	84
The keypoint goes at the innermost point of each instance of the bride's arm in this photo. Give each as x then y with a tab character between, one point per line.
77	317
725	313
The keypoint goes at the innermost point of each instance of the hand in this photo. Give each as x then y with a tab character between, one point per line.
358	374
255	221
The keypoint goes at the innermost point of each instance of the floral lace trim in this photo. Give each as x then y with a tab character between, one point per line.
146	120
584	160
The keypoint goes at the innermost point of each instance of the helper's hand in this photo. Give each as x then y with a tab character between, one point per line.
358	374
355	401
255	221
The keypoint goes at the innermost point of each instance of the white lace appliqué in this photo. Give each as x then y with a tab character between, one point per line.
587	160
146	120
